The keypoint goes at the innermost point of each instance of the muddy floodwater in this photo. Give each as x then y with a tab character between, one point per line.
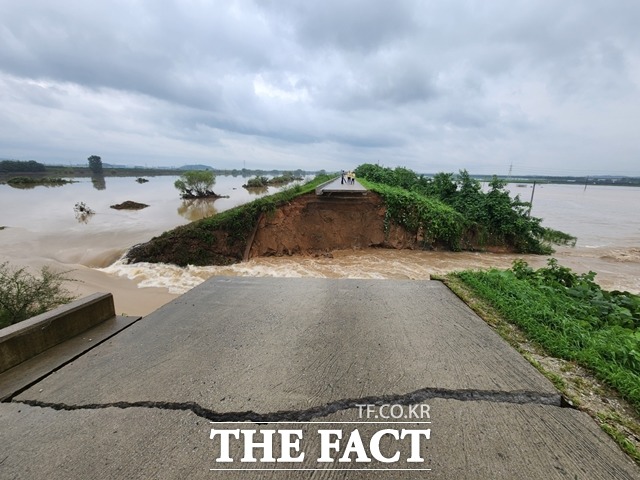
42	228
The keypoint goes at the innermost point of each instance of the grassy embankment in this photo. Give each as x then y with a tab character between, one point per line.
453	211
260	181
196	243
436	222
568	316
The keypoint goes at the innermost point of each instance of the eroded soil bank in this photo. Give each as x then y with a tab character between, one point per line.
309	224
316	224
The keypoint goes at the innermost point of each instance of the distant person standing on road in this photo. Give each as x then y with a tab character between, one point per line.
342	179
353	178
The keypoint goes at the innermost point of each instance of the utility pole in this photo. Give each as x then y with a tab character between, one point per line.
531	201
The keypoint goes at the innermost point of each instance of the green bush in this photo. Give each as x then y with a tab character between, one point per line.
494	217
23	295
435	221
32	182
257	182
196	184
261	181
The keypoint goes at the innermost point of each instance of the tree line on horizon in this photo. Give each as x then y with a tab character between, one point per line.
21	166
96	167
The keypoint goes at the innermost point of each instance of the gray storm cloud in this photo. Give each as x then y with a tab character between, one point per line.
548	87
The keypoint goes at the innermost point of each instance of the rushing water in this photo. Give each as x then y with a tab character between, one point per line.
44	230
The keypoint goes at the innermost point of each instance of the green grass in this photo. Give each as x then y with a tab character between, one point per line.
625	444
438	223
571	317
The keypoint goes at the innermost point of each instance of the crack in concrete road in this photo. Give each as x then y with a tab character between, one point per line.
418	396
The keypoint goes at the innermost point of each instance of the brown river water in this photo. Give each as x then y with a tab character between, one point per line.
42	229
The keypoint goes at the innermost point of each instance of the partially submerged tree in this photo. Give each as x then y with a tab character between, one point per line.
23	295
257	182
99	182
95	164
83	212
196	184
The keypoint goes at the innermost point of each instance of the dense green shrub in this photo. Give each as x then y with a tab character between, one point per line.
259	181
429	217
398	177
494	217
28	182
23	295
196	184
286	177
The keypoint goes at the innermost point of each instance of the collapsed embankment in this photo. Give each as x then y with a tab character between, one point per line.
307	224
299	221
316	224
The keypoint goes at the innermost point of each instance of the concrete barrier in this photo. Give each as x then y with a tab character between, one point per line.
31	337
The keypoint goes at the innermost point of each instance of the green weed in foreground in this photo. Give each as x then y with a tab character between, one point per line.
23	295
571	317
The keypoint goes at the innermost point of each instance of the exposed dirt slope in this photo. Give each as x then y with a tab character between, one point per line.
312	224
308	224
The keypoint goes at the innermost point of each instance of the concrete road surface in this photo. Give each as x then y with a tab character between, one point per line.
337	186
303	378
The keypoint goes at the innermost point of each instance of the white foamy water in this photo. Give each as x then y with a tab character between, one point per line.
364	265
617	270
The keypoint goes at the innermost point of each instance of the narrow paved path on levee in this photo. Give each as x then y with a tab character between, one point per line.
338	186
299	352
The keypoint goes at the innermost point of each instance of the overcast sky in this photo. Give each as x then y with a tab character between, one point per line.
535	86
